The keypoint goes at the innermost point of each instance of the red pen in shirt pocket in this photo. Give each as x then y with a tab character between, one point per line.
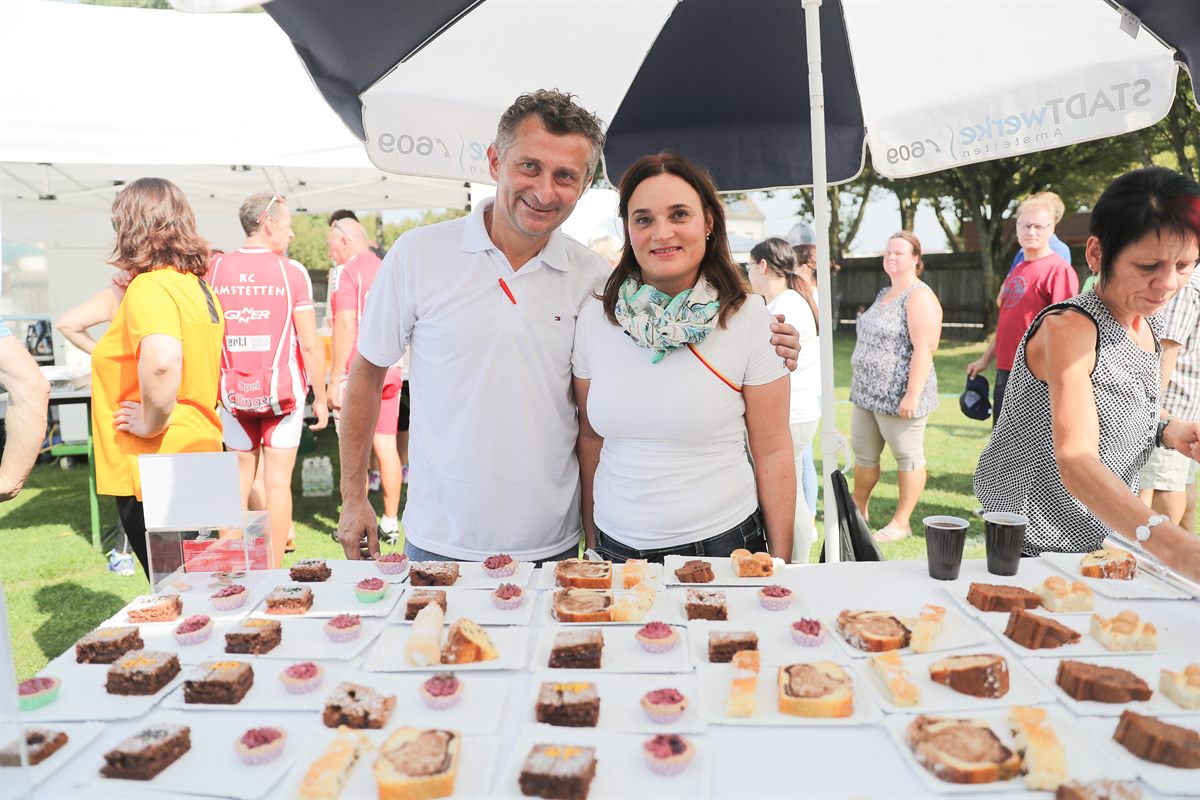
507	292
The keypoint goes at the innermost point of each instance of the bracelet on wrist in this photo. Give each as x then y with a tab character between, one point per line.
1142	532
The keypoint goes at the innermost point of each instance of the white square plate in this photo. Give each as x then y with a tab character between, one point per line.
723	574
302	639
621	652
388	653
82	696
665	609
958	631
1086	762
212	766
654	576
743	607
1161	778
478	712
268	692
474	604
79	736
621	769
476	763
621	698
934	698
1171	638
332	598
472	576
714	695
197	599
1148	669
775	642
346	571
1143	584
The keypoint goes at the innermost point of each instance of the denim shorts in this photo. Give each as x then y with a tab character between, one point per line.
749	535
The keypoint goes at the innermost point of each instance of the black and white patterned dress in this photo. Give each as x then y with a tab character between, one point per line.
1017	471
882	358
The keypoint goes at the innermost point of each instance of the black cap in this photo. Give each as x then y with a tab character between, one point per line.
974	399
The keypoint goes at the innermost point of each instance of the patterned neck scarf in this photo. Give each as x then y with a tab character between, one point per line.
662	323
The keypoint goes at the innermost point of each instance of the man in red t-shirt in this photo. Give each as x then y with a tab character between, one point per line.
349	246
1041	280
271	350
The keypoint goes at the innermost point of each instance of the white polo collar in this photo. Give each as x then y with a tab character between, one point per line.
476	239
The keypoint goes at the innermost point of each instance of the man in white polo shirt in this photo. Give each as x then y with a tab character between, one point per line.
488	305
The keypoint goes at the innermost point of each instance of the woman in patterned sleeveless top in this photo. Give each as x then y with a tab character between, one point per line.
1082	409
893	385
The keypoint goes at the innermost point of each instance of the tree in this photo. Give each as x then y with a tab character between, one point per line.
847	206
1175	140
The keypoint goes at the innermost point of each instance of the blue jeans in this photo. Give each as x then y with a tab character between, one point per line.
415	553
808	478
749	535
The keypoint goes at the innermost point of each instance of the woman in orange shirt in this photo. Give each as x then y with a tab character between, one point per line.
155	371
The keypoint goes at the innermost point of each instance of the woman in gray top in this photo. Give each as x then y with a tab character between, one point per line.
1082	409
893	385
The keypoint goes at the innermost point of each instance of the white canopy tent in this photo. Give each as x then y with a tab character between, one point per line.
95	97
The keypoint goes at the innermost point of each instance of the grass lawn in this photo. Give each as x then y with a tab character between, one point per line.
57	589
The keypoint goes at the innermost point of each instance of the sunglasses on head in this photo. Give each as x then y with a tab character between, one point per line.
274	199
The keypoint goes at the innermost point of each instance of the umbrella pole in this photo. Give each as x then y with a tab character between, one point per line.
831	441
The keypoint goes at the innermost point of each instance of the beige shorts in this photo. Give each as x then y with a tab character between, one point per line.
1167	471
870	431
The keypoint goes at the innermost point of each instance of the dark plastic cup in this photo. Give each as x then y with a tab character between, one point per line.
1003	535
944	540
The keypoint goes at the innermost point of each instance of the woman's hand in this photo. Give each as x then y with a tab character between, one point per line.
129	418
908	406
1184	437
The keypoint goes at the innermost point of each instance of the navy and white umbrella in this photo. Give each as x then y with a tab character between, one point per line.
765	93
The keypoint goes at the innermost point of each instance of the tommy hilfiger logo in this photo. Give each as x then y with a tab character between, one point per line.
557	318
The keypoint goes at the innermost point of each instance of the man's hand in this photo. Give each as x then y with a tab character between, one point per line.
358	519
336	388
321	410
787	342
976	367
1184	437
129	418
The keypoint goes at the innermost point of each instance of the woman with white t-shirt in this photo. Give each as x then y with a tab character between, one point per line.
674	374
774	275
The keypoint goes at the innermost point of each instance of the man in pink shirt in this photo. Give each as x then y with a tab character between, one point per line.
349	246
271	349
1042	279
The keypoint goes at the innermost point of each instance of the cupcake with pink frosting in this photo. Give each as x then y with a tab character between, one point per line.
664	706
193	630
775	597
343	628
657	637
302	678
392	563
442	691
260	745
507	596
501	566
229	597
668	753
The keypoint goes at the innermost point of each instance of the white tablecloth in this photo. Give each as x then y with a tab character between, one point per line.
858	762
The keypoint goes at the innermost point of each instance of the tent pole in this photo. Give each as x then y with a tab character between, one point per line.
831	441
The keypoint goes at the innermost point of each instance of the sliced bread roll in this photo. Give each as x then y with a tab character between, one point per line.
582	605
961	750
873	631
416	764
818	689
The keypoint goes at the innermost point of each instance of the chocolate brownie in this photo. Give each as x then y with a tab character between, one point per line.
1153	740
996	597
419	598
40	744
106	645
706	604
695	571
141	672
723	644
433	573
578	649
254	636
219	682
147	753
310	570
1084	681
570	705
289	599
1097	790
558	772
357	706
155	608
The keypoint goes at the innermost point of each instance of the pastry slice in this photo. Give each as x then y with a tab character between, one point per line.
819	689
467	643
997	597
1182	687
1084	681
983	675
633	572
873	631
1036	632
927	627
416	764
1045	760
580	574
1160	742
633	605
961	750
1056	595
1109	562
751	565
327	775
746	665
582	605
1124	632
896	678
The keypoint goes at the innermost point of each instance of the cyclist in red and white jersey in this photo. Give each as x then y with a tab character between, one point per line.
271	349
348	245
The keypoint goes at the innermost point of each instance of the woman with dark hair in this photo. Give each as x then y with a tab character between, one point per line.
775	275
155	370
1082	407
893	386
674	372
